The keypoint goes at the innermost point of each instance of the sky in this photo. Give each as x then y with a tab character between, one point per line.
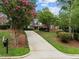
51	4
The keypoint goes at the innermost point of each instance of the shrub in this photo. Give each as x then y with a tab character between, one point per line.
57	32
44	29
64	36
76	36
4	26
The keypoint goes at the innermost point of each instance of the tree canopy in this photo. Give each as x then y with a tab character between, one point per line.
46	17
70	9
19	12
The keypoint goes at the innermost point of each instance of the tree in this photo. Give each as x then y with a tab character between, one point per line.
63	21
75	16
72	11
66	7
46	17
19	12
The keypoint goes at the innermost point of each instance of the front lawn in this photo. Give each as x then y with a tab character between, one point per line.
12	50
51	38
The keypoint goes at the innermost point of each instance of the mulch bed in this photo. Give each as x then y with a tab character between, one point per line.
18	40
72	43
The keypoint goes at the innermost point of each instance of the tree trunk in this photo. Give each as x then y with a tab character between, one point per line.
70	29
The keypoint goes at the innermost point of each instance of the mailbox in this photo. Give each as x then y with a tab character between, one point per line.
5	43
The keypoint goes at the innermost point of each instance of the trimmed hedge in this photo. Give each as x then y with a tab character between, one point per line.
4	26
76	36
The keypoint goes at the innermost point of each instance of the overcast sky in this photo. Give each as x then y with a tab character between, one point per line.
51	4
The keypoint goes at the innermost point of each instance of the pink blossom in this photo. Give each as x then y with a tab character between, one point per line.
17	7
25	2
5	1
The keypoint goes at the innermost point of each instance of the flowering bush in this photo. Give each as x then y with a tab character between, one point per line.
64	36
20	11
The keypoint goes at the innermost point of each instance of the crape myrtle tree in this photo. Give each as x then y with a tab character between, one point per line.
19	12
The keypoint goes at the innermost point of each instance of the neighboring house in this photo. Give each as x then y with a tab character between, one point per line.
3	19
35	23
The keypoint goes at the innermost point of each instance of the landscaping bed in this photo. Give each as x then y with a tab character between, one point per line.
72	47
19	49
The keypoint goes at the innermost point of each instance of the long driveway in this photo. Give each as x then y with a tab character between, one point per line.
41	49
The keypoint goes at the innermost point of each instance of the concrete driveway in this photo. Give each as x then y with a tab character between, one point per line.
41	49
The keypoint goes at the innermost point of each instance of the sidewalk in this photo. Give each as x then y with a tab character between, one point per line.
41	49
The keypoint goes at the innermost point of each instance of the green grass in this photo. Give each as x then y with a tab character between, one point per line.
50	37
6	34
12	51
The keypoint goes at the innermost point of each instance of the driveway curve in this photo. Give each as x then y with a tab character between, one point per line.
41	49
